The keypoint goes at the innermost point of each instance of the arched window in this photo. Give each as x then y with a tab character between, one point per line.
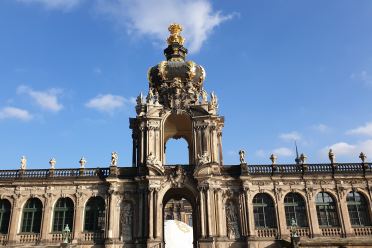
295	209
326	210
32	212
4	216
358	209
264	212
95	215
176	151
63	214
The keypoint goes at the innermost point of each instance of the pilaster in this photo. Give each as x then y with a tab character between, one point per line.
79	217
313	217
46	219
15	219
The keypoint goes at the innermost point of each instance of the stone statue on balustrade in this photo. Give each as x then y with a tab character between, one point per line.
23	163
114	158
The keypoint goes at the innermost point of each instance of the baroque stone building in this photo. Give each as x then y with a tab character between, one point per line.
239	205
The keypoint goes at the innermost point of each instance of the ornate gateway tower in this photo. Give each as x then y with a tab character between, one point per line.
242	205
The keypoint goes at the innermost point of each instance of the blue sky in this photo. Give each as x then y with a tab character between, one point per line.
282	70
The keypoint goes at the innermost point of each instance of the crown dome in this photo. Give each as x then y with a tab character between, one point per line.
177	82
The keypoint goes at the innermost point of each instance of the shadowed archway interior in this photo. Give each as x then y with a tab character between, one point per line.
182	195
177	130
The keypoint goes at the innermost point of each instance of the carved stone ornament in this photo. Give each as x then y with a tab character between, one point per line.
309	192
154	165
126	221
177	177
213	104
204	158
232	221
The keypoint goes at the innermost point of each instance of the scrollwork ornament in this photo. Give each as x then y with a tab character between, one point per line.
309	192
177	178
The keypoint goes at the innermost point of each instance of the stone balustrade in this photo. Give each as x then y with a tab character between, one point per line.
267	232
331	231
33	238
363	231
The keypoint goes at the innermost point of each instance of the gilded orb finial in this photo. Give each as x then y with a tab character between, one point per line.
175	37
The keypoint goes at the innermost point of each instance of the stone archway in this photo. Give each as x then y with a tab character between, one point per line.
179	194
178	126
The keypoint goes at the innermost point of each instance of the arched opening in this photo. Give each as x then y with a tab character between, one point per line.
4	216
326	210
264	211
295	209
179	219
95	212
358	209
177	150
32	213
63	214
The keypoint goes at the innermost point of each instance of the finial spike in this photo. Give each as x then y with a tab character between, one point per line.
297	159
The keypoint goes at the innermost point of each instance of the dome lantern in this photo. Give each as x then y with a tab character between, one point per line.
177	82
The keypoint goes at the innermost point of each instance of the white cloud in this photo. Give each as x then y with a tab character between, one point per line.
152	18
291	136
45	99
55	4
349	150
108	103
363	130
362	76
321	128
15	113
283	151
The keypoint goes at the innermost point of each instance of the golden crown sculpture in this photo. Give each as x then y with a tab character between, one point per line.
175	37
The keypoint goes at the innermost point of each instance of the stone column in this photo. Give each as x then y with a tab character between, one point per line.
202	212
313	218
134	148
15	219
209	209
78	218
114	217
158	220
141	149
219	135
46	220
242	214
151	213
220	216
